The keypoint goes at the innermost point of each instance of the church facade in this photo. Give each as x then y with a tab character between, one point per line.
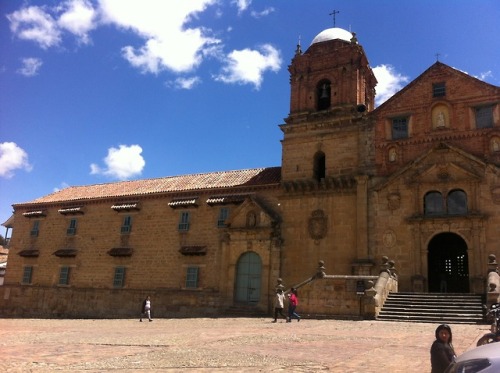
416	179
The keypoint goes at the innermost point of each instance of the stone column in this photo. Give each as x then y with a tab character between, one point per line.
224	282
362	216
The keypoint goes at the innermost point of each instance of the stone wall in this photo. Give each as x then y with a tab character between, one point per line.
335	297
49	302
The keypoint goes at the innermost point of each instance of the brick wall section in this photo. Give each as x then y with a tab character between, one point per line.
416	101
156	264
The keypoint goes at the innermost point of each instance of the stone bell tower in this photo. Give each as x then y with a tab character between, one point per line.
327	154
332	89
333	73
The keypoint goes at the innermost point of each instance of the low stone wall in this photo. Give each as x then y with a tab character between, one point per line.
24	301
335	297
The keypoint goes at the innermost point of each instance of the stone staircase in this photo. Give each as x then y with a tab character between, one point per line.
435	308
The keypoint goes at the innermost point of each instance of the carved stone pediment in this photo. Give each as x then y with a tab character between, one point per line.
441	164
443	173
254	213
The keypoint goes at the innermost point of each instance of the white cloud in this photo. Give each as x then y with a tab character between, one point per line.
30	66
248	66
33	23
242	5
485	75
185	83
12	158
389	82
167	41
262	13
162	25
78	18
122	163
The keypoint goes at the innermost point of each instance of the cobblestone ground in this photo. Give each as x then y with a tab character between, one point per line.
221	345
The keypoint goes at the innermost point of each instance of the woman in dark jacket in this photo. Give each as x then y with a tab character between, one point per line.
442	352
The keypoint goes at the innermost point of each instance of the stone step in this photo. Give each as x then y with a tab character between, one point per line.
391	303
434	319
433	307
437	296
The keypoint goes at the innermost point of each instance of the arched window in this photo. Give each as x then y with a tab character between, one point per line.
456	202
433	203
319	166
324	94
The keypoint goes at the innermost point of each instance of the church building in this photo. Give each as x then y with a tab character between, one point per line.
416	180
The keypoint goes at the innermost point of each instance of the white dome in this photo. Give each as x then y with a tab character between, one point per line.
332	34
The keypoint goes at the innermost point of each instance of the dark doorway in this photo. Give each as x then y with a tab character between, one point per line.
448	264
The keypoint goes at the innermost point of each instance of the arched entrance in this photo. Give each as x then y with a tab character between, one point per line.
248	274
448	264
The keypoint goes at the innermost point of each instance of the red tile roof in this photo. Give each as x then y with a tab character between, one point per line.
212	180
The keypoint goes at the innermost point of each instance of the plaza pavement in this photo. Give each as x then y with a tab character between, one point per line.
221	345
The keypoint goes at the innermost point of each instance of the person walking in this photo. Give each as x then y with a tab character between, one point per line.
279	304
146	309
293	301
442	352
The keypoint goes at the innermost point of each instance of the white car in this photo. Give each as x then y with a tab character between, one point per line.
482	359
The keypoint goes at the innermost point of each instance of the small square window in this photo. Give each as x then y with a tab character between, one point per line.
484	117
71	231
439	89
399	128
184	221
64	276
119	279
27	275
35	229
223	215
127	225
192	277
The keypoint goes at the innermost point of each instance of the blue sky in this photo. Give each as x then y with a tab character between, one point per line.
105	90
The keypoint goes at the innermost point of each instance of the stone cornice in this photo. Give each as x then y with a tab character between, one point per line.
341	183
435	138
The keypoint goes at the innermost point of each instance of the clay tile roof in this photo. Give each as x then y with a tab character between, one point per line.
183	202
126	206
31	214
226	199
71	210
212	180
9	223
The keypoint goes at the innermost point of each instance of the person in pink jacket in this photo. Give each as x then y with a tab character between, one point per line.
293	301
